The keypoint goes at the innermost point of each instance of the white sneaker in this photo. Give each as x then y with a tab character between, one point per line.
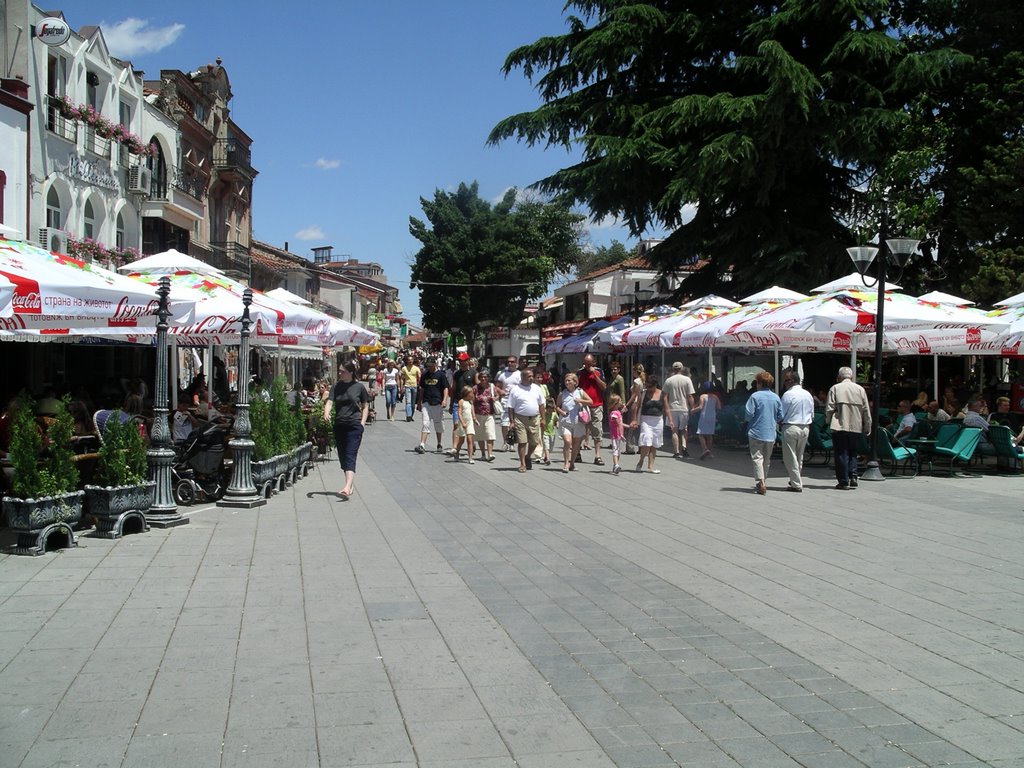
471	462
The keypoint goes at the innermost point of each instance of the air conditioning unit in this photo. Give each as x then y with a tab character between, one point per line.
52	239
139	179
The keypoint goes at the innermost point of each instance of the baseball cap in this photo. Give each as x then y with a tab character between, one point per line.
677	366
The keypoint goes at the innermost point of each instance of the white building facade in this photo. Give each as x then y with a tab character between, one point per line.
91	136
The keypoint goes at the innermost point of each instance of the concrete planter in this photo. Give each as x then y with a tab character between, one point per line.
121	509
44	523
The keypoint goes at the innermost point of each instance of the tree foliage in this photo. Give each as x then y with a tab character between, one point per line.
782	123
968	133
601	256
480	263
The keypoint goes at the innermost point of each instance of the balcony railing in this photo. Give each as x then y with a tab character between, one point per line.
230	256
232	155
190	182
97	144
56	123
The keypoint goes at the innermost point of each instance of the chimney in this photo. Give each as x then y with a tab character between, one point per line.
286	245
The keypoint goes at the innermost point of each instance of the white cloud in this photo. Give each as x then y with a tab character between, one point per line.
310	233
608	222
134	37
326	165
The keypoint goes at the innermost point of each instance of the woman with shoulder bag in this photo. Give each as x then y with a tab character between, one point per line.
350	402
485	403
572	402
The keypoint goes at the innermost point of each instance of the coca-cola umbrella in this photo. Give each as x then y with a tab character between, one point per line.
55	295
649	334
275	322
167	262
831	321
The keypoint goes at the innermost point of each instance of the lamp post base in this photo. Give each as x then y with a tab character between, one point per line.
872	472
242	502
165	520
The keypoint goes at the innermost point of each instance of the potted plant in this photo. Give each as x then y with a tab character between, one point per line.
262	444
280	425
122	494
44	503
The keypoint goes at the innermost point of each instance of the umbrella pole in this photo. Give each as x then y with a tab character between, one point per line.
776	368
935	376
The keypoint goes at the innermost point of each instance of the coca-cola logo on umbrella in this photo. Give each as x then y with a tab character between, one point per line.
27	299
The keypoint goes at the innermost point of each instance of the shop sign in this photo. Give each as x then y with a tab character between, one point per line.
91	172
51	31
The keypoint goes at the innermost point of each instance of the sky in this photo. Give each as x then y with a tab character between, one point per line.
356	109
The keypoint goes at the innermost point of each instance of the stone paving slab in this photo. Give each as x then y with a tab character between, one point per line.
452	616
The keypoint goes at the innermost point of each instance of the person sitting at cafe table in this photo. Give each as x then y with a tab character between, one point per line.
974	417
935	413
906	424
183	422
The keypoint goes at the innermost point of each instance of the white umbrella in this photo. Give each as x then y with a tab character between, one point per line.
10	232
711	300
170	261
775	293
938	297
1013	301
285	295
57	295
852	282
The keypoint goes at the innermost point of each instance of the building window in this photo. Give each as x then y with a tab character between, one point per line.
53	217
158	165
56	75
119	233
92	82
89	221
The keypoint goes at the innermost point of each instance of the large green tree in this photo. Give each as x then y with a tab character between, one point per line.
966	135
770	118
480	263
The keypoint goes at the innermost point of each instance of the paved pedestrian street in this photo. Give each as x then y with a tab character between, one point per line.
470	616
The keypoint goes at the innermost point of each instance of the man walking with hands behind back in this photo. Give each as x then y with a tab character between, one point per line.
797	414
679	391
848	416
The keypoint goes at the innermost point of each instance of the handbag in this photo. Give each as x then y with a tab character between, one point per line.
584	414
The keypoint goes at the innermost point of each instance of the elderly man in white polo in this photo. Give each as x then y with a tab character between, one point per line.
525	407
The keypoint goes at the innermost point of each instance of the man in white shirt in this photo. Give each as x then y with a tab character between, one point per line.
678	389
973	418
526	414
507	378
935	412
906	425
797	413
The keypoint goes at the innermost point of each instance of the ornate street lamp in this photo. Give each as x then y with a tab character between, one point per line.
160	456
241	492
898	251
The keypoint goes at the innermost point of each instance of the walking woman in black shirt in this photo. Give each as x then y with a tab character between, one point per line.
351	404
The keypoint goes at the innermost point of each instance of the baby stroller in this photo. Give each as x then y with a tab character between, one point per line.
199	472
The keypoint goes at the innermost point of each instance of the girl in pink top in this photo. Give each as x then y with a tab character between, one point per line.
615	430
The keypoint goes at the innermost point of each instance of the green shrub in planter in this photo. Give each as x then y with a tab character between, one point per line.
57	474
122	457
261	432
280	423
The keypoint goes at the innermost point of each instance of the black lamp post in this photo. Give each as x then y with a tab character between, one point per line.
160	455
897	250
241	492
